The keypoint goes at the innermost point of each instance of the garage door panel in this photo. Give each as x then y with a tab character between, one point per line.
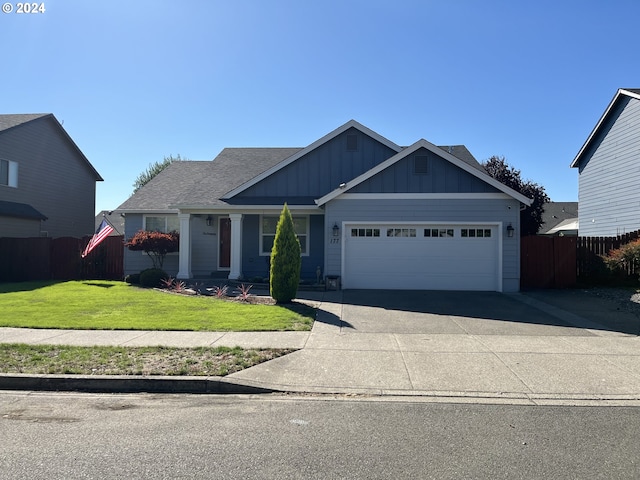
420	262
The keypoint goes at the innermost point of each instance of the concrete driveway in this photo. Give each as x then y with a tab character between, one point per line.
463	345
435	312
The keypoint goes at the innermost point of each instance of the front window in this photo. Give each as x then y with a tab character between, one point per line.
164	223
268	233
8	173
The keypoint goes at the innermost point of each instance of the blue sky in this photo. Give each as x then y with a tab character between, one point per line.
137	81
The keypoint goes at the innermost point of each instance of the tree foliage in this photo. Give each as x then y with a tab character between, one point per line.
155	244
531	216
153	170
284	272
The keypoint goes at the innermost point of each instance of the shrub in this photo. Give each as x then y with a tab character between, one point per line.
284	272
152	277
625	260
155	244
133	279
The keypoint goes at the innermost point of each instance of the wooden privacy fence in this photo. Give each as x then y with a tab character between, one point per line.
590	250
547	262
23	259
558	262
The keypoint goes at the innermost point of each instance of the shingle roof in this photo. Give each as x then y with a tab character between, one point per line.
203	183
8	121
556	212
20	210
461	152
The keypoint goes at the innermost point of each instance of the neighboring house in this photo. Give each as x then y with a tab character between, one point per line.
609	170
560	219
115	219
365	209
47	185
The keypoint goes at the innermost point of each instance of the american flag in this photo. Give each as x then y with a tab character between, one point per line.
102	232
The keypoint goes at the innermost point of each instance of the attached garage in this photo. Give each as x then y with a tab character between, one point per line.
422	256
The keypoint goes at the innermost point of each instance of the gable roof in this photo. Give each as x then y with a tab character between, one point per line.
313	146
622	92
9	121
436	150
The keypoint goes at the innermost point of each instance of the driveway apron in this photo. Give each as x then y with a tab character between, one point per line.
472	344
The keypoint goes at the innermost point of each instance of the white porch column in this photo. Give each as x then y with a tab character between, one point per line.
236	246
184	259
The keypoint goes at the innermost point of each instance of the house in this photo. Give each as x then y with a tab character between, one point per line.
114	219
609	170
47	185
375	214
560	219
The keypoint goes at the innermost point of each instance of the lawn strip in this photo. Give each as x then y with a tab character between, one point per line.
63	359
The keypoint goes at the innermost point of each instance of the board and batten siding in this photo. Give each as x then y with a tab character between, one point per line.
52	177
609	181
441	177
453	211
323	169
256	265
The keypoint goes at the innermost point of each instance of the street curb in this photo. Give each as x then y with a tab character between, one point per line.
128	384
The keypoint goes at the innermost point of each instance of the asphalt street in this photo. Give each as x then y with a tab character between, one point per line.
83	436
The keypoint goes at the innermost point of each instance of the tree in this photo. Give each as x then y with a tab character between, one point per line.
284	272
531	216
155	244
153	170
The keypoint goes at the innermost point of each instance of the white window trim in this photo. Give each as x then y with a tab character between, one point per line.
12	174
307	222
158	215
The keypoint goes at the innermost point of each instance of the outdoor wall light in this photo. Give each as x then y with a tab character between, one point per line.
209	221
336	230
510	230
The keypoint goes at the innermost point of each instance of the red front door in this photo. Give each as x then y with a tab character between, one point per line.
224	259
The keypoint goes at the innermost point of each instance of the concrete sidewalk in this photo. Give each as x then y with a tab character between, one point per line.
517	348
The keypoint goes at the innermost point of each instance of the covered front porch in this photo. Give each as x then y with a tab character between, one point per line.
237	245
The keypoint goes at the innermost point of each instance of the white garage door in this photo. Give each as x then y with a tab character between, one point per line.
421	257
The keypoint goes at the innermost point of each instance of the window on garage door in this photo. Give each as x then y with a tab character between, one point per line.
475	233
439	232
401	232
365	232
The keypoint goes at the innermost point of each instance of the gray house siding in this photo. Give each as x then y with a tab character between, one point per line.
52	177
609	185
204	246
455	211
441	177
19	227
323	169
135	262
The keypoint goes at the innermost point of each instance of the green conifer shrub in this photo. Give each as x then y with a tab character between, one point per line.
284	271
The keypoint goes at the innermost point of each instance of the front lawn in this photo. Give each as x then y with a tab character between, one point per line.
109	305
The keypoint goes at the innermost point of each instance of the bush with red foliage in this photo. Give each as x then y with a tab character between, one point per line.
154	244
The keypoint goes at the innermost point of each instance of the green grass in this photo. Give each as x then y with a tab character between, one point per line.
109	305
63	359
